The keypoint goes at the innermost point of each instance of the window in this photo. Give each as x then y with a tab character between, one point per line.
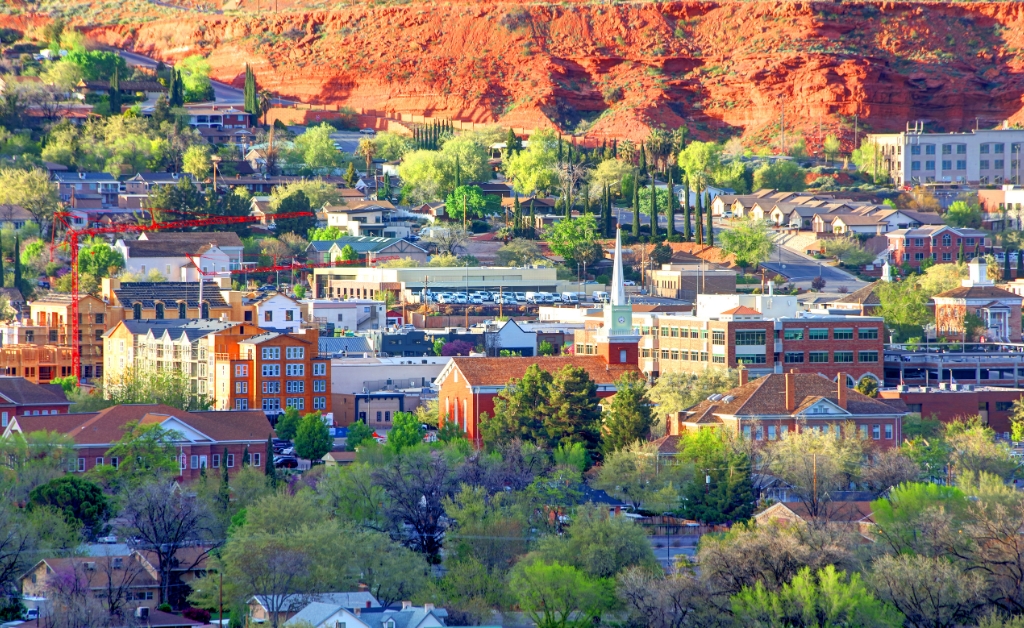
295	369
99	461
319	385
295	386
818	357
929	165
271	387
876	432
289	315
843	357
961	164
947	149
114	462
999	148
888	431
754	338
947	164
947	257
81	465
915	165
793	334
256	460
673	332
194	462
319	403
295	353
99	319
718	337
182	312
241	388
750	359
842	334
271	353
3	419
271	403
319	369
98	335
984	150
867	333
867	357
984	164
241	404
915	150
183	462
664	332
794	357
241	370
694	332
929	149
863	431
718	359
999	164
268	316
918	256
961	149
1001	406
159	311
215	462
746	432
231	461
771	432
818	334
271	370
674	354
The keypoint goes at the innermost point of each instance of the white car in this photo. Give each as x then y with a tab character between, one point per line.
629	282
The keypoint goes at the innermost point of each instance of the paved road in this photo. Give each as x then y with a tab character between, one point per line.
347	141
799	268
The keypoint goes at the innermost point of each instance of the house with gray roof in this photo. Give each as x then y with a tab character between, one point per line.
327	615
287	606
368	248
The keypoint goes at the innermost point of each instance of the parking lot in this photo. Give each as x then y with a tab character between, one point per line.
482	297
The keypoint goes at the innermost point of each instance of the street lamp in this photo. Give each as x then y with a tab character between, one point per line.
215	160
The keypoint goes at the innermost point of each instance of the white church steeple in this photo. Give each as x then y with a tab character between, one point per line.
618	295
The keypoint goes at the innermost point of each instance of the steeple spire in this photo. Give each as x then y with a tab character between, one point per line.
618	296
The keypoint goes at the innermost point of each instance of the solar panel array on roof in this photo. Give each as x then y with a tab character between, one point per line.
168	292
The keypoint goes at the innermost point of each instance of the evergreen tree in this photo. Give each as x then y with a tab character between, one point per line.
458	173
960	254
251	91
1020	263
114	94
653	210
687	224
615	149
586	199
1006	266
385	189
670	211
517	216
350	175
636	204
512	143
176	89
533	214
245	456
709	236
17	264
1	267
629	419
571	412
606	213
269	469
224	492
699	219
643	161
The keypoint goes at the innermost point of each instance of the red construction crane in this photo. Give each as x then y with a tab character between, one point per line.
72	235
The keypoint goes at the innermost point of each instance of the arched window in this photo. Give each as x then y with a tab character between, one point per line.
204	310
137	311
182	312
159	311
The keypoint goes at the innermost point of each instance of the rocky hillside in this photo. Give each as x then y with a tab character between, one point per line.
721	68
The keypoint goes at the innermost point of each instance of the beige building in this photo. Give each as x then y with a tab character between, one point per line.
685	281
368	283
986	156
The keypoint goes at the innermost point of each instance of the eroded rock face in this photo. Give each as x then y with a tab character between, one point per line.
617	71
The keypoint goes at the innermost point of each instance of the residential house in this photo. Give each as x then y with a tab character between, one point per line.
331	615
849	224
509	337
20	397
374	249
71	183
998	310
856	516
148	182
217	116
129	579
273	312
176	260
201	438
942	244
227	242
15	215
360	218
861	302
347	315
262	607
765	409
150	89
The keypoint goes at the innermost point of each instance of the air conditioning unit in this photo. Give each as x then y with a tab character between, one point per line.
943	386
142	612
90	566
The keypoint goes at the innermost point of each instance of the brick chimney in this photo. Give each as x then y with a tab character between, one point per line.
790	392
674	419
842	390
743	375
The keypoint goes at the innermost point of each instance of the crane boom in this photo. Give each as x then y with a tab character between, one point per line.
72	234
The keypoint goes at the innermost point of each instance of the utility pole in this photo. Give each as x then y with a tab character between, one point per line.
782	115
814	462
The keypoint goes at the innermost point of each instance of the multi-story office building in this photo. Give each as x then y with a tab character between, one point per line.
987	156
941	244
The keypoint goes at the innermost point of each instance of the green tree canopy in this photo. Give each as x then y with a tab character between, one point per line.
78	499
406	431
533	169
750	241
195	77
629	418
312	437
560	596
783	175
964	214
476	203
574	239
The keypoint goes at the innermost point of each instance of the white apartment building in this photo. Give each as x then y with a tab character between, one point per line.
986	156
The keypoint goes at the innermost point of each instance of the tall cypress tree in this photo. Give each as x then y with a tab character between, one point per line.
559	149
1006	266
960	254
709	237
17	263
636	204
643	161
698	222
224	492
114	94
517	216
1020	263
1	267
252	100
245	456
458	173
533	214
606	213
687	225
586	200
269	470
670	211
654	210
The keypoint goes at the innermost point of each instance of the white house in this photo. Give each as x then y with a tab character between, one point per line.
360	218
328	615
510	337
350	315
141	258
276	312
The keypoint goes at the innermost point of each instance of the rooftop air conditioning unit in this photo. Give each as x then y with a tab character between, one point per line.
943	386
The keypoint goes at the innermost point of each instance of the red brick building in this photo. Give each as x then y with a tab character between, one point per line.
204	436
992	403
20	397
940	243
767	408
468	386
272	371
997	309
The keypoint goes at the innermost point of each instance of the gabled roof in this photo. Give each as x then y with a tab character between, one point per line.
925	218
359	206
766	396
498	371
978	292
863	296
9	212
93	569
369	244
22	392
197	244
107	425
169	293
220	238
742	310
856	220
346	600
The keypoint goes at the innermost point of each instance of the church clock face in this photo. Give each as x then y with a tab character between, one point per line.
622	320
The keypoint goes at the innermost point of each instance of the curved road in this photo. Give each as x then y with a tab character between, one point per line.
799	268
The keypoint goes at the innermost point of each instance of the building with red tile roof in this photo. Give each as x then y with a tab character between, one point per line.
998	309
203	436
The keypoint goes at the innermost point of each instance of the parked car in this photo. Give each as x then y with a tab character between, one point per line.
629	282
286	462
520	296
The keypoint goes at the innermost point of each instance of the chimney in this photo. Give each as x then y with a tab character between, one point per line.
406	604
842	391
743	375
362	587
357	611
674	419
790	392
428	606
